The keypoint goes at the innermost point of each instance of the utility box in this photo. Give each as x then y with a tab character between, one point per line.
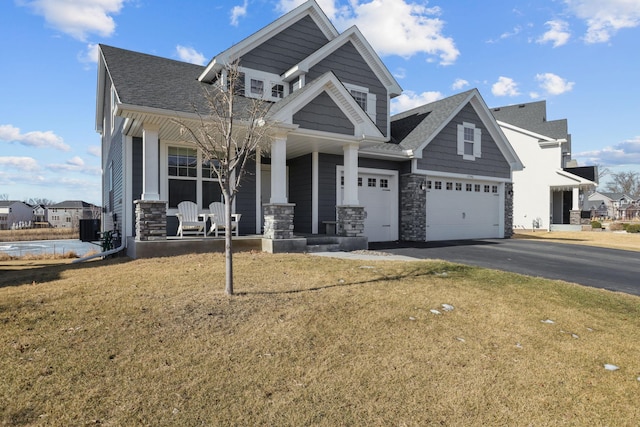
89	230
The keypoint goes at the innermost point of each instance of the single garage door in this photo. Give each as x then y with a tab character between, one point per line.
378	193
459	209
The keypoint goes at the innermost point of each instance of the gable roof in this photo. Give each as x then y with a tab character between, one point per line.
71	204
363	47
413	130
309	8
532	116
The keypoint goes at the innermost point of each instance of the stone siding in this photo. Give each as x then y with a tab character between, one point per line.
151	220
413	208
278	221
350	221
508	210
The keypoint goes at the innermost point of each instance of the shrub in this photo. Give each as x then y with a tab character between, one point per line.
596	224
616	226
633	228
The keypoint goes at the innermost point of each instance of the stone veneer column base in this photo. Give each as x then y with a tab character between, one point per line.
508	210
151	220
413	208
278	220
575	218
350	220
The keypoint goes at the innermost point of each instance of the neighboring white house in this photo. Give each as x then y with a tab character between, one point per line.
14	213
547	194
613	205
68	214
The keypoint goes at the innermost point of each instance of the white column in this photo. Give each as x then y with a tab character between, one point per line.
258	191
575	199
350	195
314	192
150	162
279	169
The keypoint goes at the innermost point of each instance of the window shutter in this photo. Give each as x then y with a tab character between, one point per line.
461	140
477	146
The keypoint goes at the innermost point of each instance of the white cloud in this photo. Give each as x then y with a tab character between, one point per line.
505	86
624	153
393	27
90	54
400	73
20	163
95	150
459	84
238	12
46	139
78	18
76	161
558	33
189	54
605	17
534	95
553	84
409	100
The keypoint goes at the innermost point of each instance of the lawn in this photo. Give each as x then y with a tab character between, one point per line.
311	341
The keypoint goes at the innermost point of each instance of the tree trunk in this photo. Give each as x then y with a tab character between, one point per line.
228	248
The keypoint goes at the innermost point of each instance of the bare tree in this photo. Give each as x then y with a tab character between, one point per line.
625	182
34	201
602	171
228	133
4	196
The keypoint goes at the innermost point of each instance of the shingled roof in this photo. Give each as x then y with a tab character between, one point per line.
532	116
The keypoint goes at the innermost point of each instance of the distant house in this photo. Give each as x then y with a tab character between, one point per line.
40	216
14	214
68	214
618	205
549	192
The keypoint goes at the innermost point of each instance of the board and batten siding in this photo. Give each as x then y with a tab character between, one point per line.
300	192
287	48
441	153
246	199
349	66
323	114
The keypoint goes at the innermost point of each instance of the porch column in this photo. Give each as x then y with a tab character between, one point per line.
574	213
150	162
350	193
279	169
278	213
350	216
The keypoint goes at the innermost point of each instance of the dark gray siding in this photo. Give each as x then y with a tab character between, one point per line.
300	192
136	177
287	48
441	153
323	114
114	198
347	64
246	200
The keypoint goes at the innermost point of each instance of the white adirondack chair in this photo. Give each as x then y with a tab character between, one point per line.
190	220
218	220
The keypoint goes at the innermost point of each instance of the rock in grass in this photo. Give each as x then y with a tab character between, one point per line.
447	307
434	311
549	321
610	367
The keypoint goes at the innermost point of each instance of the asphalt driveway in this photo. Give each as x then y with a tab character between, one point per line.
612	269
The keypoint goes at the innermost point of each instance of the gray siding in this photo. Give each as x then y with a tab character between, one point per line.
441	153
246	200
136	176
287	48
300	192
323	114
347	64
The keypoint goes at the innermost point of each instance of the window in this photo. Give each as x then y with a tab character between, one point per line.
494	188
365	99
359	181
438	185
257	87
342	181
469	187
361	98
277	91
384	183
449	185
428	185
191	178
476	188
458	186
486	188
371	182
469	141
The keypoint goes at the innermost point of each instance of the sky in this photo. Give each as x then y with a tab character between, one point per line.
581	56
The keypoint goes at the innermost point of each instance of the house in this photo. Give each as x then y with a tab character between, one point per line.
549	193
68	214
613	205
14	214
40	216
337	159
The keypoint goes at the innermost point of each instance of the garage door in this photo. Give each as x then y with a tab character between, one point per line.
463	210
378	193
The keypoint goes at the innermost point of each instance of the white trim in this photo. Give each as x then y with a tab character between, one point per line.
477	141
127	174
458	175
258	191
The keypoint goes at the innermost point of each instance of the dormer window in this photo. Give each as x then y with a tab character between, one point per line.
267	86
365	99
361	98
257	87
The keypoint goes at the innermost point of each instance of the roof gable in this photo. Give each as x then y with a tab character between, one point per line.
307	9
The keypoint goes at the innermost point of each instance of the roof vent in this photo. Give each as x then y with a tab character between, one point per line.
521	106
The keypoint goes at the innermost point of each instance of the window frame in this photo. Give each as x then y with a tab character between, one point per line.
466	129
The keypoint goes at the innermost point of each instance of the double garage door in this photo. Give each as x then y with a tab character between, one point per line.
459	209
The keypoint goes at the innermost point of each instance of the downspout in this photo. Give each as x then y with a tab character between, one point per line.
101	254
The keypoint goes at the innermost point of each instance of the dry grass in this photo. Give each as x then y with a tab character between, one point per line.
311	341
603	239
38	234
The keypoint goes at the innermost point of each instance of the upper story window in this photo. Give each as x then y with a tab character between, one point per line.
469	141
263	85
365	99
